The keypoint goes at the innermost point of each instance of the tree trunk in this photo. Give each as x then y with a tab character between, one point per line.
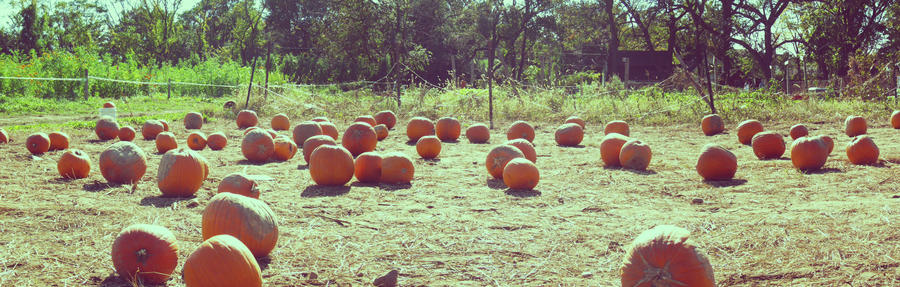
526	17
613	38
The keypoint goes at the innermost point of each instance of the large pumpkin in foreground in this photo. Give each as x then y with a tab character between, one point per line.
665	256
144	253
206	266
248	219
181	172
123	163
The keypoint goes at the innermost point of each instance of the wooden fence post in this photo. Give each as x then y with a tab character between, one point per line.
86	87
250	86
168	89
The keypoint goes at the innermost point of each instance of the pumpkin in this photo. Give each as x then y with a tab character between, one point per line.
165	141
106	129
665	256
181	173
448	129
610	147
521	174
895	119
151	129
258	146
272	133
246	119
419	127
381	131
216	141
619	127
366	119
478	133
74	164
4	137
250	129
123	162
38	143
428	147
520	129
387	118
799	130
59	140
526	147
313	142
367	167
285	148
109	105
862	150
165	125
239	183
320	119
854	126
196	141
397	168
575	120
569	134
635	154
331	165
499	156
828	142
809	153
305	130
281	122
768	145
205	266
359	138
328	129
712	124
193	121
716	163
747	129
145	254
248	219
127	133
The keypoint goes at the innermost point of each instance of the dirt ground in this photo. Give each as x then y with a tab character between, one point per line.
771	226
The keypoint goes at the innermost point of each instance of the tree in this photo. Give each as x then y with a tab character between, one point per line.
759	16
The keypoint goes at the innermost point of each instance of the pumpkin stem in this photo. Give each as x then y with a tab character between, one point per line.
142	255
658	277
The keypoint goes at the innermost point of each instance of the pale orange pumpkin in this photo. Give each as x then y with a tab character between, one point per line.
331	165
478	133
419	127
521	174
895	119
428	147
854	126
387	118
313	142
367	167
359	138
281	122
768	145
747	129
37	143
716	163
569	134
809	153
74	164
123	163
181	173
448	129
248	219
106	129
59	140
151	129
257	146
619	127
306	130
250	129
381	131
203	268
520	129
610	147
145	254
239	183
193	121
827	140
665	256
712	125
165	125
127	133
575	120
165	141
366	119
196	140
246	119
799	130
499	156
328	129
862	150
216	141
635	154
526	147
397	168
285	148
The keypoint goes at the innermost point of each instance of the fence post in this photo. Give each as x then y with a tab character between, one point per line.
86	87
168	89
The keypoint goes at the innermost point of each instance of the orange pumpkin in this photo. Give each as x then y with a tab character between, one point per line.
387	118
181	173
575	120
895	119
127	133
329	129
74	164
521	174
123	163
281	122
4	137
320	119
712	125
165	125
248	219
165	141
272	133
145	254
38	143
359	138
250	129
610	148
716	163
799	130
665	256
828	142
499	156
306	130
106	129
635	154
196	141
216	141
619	127
768	145
569	134
331	165
854	126
478	133
366	119
397	168
313	142
520	129
204	267
239	183
862	150
428	147
246	119
367	167
258	146
109	105
526	147
193	121
151	129
448	129
381	131
59	140
419	127
285	148
747	129
809	153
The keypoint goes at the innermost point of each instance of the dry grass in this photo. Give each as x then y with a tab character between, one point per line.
454	226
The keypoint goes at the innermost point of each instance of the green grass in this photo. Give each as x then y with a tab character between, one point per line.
11	106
